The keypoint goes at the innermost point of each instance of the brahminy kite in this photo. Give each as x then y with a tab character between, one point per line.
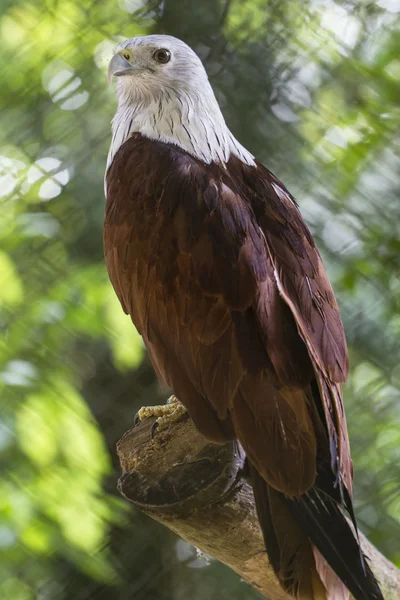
209	255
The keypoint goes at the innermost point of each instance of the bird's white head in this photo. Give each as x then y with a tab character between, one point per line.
164	94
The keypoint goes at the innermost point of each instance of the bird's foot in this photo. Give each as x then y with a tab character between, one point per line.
166	414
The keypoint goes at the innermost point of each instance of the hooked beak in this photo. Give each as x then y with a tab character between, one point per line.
118	66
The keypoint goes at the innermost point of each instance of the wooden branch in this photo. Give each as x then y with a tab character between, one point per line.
198	490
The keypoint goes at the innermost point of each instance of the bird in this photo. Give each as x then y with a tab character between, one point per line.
208	253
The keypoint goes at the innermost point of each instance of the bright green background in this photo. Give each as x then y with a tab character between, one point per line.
312	88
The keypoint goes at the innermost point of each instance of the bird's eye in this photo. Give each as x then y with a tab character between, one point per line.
162	56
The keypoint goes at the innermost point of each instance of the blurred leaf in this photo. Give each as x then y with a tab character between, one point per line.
126	343
11	289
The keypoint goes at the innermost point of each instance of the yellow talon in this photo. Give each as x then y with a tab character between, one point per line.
166	414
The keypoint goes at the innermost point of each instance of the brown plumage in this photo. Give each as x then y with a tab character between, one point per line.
224	282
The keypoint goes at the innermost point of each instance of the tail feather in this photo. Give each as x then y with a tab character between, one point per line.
311	545
288	548
323	522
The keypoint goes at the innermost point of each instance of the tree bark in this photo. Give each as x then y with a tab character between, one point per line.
199	491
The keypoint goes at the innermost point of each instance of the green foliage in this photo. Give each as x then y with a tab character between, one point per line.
313	90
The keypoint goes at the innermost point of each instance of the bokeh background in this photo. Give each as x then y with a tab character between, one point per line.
312	88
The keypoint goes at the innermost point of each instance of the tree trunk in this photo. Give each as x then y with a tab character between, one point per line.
199	491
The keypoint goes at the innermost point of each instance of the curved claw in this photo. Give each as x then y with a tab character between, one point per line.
136	420
154	428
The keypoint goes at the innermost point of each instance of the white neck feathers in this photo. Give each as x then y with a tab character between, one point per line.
193	122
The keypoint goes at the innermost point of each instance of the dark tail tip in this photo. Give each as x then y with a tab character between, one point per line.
322	520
